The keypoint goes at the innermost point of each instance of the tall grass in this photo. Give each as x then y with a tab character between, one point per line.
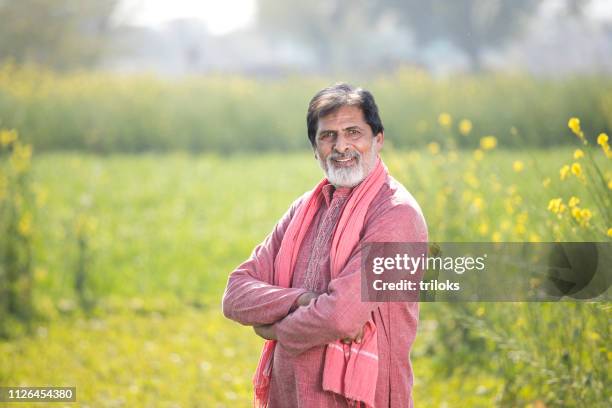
104	113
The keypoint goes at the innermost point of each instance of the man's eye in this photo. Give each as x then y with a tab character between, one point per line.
353	132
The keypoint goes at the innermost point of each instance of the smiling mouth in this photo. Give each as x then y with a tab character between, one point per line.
344	162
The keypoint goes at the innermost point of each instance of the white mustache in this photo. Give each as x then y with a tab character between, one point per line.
350	155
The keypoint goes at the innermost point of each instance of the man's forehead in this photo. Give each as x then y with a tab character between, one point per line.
345	115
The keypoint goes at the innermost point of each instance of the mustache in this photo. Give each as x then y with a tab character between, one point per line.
350	155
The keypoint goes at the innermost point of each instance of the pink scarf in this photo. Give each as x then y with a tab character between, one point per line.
350	370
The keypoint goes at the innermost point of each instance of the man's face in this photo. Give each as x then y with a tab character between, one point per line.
345	146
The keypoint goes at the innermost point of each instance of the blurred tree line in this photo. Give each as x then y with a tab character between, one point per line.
60	34
338	29
345	34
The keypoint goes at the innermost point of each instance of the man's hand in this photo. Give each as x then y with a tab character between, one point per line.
266	331
303	300
357	338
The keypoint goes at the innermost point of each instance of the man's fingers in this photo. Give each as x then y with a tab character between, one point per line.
262	331
359	336
305	298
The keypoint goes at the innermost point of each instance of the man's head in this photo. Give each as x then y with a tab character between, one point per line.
346	133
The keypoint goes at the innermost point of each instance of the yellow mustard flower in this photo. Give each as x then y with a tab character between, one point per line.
20	158
564	171
593	336
434	148
582	216
602	140
609	233
483	228
586	214
546	182
471	180
517	199
85	225
533	237
508	206
505	225
41	196
467	196
556	206
445	119
465	127
574	125
488	142
578	154
478	154
496	237
553	204
520	229
25	224
518	166
7	137
573	201
40	273
576	169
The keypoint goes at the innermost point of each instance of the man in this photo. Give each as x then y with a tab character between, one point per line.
300	289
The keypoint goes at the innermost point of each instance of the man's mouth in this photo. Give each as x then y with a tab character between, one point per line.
344	161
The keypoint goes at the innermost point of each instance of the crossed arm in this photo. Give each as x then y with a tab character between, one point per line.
269	331
296	318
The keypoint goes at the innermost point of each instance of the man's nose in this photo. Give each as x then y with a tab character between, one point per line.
341	144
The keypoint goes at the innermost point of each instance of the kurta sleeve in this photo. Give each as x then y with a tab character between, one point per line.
339	312
250	296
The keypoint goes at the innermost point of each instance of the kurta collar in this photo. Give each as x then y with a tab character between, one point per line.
329	192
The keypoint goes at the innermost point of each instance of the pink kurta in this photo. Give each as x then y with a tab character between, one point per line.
251	299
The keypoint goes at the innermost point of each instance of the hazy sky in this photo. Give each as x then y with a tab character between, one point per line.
223	16
220	16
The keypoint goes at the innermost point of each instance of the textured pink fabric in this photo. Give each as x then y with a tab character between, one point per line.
251	298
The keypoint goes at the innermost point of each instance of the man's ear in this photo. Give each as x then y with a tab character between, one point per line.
379	139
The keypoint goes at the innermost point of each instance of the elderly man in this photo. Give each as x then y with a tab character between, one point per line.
300	289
